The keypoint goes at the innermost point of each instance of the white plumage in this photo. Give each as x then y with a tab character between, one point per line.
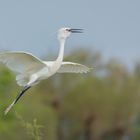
71	67
25	64
30	70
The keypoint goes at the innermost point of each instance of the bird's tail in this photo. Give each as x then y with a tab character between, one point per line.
9	107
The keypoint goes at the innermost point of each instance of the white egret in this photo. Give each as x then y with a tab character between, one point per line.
30	70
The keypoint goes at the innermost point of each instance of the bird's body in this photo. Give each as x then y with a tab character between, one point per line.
30	70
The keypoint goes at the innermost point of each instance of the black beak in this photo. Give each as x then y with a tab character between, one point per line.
76	30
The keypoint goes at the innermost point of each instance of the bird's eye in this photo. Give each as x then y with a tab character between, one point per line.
68	30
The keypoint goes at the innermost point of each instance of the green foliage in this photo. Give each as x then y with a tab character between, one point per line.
32	129
103	104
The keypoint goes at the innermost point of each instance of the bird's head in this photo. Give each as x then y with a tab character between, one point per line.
64	33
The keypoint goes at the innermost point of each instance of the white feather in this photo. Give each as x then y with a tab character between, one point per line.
20	62
30	70
23	64
70	67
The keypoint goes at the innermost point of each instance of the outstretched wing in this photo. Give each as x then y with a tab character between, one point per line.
20	62
70	67
23	64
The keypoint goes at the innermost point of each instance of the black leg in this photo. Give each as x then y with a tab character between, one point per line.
17	98
21	93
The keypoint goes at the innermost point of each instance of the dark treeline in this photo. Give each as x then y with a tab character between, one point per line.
101	105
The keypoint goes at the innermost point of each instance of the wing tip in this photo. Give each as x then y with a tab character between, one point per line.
88	70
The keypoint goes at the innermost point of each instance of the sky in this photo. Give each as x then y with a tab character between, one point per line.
110	27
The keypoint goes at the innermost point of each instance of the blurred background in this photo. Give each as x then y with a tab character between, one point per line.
101	105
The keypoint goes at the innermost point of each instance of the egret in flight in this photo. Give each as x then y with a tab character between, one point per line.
30	70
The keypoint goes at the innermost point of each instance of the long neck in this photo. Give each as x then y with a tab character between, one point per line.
61	51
